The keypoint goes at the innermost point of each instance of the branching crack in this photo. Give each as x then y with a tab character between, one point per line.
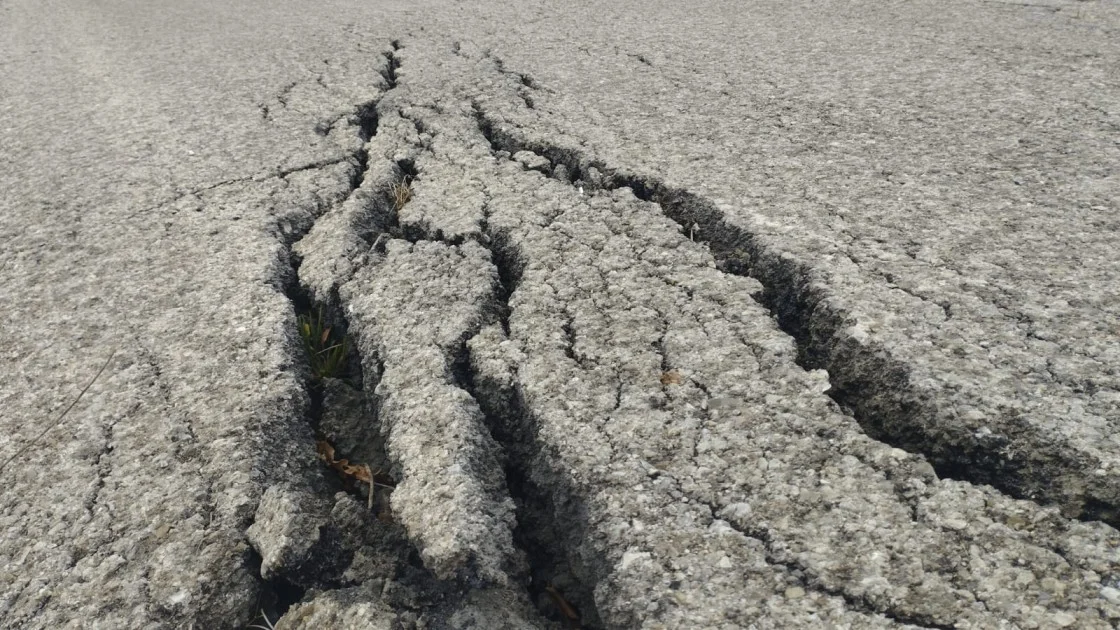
346	383
867	381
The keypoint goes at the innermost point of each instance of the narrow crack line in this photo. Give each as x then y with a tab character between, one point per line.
393	63
802	573
868	381
282	173
418	124
285	92
617	391
260	177
659	345
640	59
283	96
194	191
1026	5
181	451
524	79
570	340
526	84
104	462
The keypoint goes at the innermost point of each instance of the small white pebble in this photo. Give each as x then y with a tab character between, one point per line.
1111	594
1063	619
180	597
630	557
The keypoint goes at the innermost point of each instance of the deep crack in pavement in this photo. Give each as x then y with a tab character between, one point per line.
865	377
583	390
742	317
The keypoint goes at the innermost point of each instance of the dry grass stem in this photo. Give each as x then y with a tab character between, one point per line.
402	193
62	415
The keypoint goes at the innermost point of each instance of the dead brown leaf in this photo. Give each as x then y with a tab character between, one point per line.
672	377
355	472
325	451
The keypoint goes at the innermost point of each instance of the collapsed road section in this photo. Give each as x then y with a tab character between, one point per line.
591	423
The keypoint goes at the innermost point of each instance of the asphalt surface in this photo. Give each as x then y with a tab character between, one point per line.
665	315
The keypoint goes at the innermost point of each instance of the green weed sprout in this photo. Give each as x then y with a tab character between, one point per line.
327	354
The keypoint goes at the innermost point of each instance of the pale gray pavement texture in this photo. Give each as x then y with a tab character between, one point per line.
770	314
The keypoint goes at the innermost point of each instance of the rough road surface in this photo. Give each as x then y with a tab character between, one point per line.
656	315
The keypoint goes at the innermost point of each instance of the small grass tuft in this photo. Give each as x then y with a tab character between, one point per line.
326	352
401	193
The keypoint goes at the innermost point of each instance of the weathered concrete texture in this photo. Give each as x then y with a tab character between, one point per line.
874	378
308	539
344	609
940	239
495	608
359	570
411	307
450	142
334	249
358	608
412	311
654	384
294	538
694	474
138	233
135	509
567	334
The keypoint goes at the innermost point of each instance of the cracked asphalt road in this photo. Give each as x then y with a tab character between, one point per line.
694	315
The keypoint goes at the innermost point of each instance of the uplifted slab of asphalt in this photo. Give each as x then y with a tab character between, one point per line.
671	316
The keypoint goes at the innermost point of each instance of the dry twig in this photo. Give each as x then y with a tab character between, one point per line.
62	415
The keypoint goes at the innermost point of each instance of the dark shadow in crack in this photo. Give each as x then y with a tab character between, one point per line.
276	596
552	516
